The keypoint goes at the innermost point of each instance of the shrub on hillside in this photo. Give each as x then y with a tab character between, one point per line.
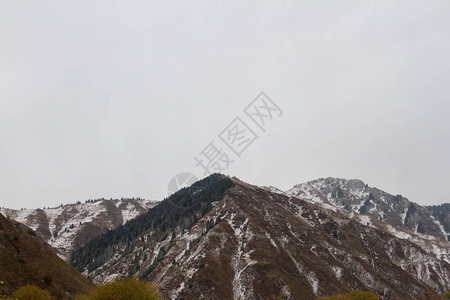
355	295
31	292
124	289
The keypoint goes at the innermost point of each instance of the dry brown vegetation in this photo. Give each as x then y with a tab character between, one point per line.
25	259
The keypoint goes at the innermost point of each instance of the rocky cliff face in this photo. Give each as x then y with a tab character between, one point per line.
441	213
71	226
226	240
356	196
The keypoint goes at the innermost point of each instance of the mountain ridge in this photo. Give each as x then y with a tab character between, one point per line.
253	243
67	227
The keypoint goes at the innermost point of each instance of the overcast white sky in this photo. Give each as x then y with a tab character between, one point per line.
112	99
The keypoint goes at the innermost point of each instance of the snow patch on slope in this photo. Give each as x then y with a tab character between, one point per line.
241	261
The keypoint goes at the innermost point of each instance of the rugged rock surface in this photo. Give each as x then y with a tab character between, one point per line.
441	213
71	226
225	239
354	195
26	259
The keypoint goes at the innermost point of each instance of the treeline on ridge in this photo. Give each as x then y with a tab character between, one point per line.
184	208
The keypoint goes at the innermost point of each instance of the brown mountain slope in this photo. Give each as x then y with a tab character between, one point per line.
26	259
256	244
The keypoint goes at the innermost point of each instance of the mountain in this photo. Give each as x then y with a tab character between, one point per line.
70	226
26	259
223	238
356	196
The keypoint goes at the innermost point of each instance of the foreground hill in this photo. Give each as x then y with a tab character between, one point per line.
223	239
354	195
70	226
26	259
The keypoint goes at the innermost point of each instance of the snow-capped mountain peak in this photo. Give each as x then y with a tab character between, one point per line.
356	196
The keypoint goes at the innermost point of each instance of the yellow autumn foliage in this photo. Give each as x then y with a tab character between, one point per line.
31	292
123	289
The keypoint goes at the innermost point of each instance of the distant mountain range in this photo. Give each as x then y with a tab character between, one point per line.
223	238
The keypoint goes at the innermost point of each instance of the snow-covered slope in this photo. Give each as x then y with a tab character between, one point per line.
70	226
